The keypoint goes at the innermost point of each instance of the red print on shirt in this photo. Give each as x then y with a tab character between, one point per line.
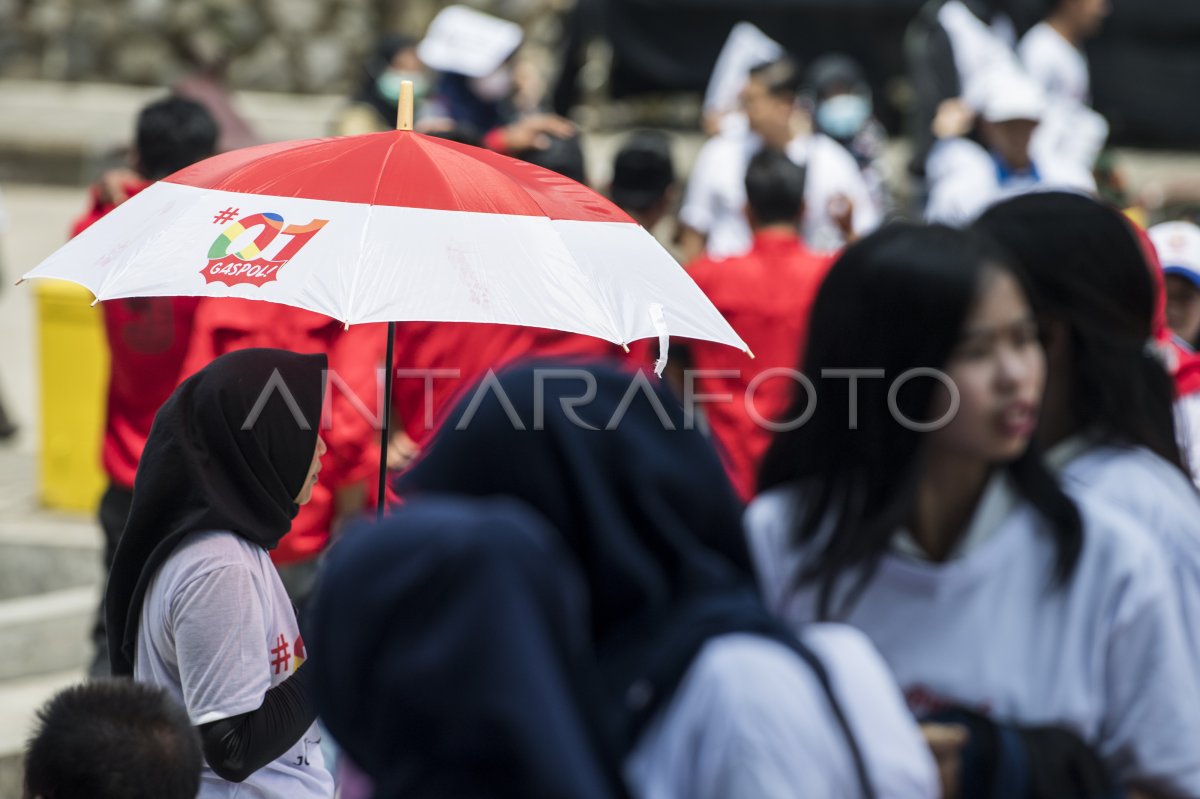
924	702
281	658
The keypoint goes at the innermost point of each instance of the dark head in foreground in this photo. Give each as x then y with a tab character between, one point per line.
112	739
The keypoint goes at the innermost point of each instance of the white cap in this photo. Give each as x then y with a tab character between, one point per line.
1178	247
468	42
1007	94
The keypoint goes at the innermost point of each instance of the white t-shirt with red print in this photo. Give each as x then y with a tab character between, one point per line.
217	631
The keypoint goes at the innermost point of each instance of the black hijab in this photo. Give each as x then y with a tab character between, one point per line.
228	450
644	508
454	641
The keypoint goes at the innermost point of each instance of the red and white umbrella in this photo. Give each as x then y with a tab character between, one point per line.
393	226
389	227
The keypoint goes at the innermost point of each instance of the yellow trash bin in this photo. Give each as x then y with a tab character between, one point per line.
73	354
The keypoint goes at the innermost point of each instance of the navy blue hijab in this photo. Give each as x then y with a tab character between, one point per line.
641	504
455	658
228	450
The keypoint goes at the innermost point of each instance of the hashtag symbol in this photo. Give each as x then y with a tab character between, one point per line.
282	657
224	216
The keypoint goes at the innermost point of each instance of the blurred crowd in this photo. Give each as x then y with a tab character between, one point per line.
790	598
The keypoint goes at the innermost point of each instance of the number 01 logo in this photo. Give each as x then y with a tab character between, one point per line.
248	264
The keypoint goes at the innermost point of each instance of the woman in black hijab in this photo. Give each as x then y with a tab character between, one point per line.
193	603
675	676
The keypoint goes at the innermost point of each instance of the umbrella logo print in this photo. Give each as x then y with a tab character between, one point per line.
248	265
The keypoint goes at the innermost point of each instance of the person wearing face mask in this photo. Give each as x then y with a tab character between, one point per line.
837	204
373	107
480	85
843	111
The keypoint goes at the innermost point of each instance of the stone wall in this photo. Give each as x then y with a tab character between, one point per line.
272	45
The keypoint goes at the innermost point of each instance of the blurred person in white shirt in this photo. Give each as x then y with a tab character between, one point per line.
1052	54
838	205
968	173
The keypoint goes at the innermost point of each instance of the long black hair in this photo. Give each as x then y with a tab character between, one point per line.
1086	269
897	300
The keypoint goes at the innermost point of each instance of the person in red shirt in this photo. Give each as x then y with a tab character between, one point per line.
766	295
147	336
437	361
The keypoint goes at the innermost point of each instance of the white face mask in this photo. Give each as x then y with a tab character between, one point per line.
388	84
494	87
843	116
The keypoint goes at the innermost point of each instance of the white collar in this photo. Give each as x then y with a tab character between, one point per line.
1061	454
995	505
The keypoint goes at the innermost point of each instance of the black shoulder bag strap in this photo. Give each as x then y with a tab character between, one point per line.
818	668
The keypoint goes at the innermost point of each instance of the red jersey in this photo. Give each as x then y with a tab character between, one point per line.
464	352
766	295
350	418
147	341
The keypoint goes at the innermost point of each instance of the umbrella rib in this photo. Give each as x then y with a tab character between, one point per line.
353	293
586	274
583	272
114	276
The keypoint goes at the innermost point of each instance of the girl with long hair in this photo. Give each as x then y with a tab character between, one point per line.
911	505
1108	421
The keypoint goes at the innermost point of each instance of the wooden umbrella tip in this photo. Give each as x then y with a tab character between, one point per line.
20	280
404	109
751	354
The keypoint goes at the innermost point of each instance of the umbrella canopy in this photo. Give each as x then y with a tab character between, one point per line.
393	226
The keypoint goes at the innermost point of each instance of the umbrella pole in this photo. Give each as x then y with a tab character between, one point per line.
404	121
385	414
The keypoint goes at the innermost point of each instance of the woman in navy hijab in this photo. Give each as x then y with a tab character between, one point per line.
562	608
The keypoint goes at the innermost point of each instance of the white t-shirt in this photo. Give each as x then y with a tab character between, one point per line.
1155	496
1057	65
715	201
1187	430
1070	130
750	720
979	49
217	631
1104	656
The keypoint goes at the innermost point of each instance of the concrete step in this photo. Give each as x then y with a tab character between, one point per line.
50	583
19	702
47	632
28	569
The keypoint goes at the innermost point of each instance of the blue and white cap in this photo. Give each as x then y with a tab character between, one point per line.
1178	248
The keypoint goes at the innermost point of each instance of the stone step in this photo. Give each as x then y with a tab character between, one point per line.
19	702
47	632
50	582
28	569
